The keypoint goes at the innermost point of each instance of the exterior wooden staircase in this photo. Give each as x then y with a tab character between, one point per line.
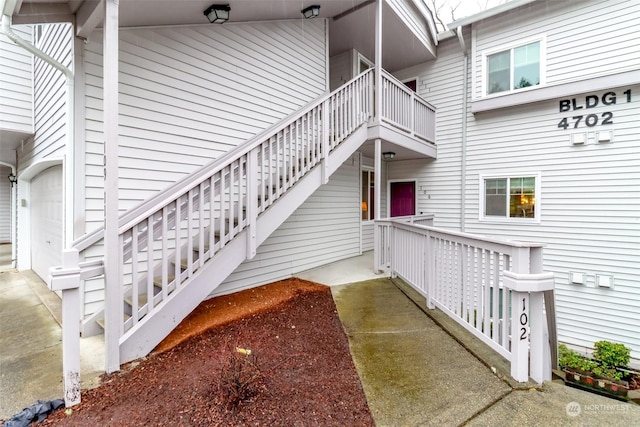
178	246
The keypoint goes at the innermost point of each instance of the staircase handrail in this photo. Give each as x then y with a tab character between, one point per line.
190	181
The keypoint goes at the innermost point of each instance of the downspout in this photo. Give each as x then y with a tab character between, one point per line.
69	152
463	157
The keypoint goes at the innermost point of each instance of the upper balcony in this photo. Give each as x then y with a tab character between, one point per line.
407	125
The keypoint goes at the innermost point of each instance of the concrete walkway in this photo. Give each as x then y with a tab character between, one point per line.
415	374
31	344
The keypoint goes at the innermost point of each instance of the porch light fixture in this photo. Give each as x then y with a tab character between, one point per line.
218	13
389	155
311	11
12	178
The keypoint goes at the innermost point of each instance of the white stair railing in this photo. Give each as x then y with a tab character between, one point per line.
493	288
165	241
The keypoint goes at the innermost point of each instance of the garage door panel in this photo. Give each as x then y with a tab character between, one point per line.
46	221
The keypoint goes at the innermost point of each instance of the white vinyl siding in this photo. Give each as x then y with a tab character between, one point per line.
589	204
5	205
439	82
190	94
325	228
589	193
583	39
50	97
341	68
16	83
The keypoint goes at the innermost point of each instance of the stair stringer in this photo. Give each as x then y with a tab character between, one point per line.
154	327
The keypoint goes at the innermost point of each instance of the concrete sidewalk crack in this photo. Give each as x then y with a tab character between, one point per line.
487	407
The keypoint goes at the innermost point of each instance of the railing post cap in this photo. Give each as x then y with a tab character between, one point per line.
61	279
529	282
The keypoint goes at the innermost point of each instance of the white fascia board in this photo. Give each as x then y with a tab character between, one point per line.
489	13
559	90
428	16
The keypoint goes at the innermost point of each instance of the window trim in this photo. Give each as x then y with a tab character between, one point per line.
506	219
542	39
369	170
410	79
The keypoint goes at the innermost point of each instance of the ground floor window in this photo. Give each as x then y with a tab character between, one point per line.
510	197
368	195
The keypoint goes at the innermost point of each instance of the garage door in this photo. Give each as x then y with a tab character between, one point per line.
46	221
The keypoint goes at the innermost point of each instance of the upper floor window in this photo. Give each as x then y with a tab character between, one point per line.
510	197
515	68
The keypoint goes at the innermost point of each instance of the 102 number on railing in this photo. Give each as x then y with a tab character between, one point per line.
524	320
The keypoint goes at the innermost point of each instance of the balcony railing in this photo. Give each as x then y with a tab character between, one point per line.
493	288
403	109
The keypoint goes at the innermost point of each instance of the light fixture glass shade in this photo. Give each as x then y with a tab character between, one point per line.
311	11
389	155
12	178
218	13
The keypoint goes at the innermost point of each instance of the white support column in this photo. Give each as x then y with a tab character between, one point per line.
113	299
520	336
540	358
378	249
252	203
378	66
519	319
67	280
430	272
376	199
378	179
14	220
527	320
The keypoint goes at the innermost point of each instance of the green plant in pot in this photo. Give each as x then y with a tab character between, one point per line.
610	356
600	373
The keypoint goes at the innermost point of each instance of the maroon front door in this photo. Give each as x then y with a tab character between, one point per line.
403	198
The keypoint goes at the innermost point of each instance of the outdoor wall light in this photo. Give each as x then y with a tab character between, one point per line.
12	178
389	155
311	11
218	13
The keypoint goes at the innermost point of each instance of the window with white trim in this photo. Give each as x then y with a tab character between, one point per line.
510	197
515	68
368	195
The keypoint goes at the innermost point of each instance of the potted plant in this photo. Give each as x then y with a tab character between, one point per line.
605	374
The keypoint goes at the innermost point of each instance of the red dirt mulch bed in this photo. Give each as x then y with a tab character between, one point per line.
299	371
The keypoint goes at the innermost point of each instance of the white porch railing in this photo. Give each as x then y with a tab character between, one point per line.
491	287
406	111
